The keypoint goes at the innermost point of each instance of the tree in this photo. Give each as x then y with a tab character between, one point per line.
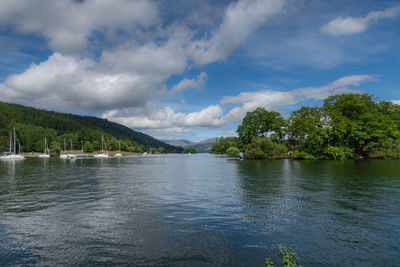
307	130
261	123
233	151
222	144
190	150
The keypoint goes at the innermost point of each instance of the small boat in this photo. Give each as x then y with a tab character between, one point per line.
81	156
64	156
70	155
103	154
119	150
46	149
12	154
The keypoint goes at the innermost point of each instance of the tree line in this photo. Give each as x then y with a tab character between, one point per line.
347	126
33	125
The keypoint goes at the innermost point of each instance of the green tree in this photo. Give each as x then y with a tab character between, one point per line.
190	150
233	151
307	130
261	123
222	144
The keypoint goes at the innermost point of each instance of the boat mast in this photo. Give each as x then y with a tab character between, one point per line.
65	145
10	141
14	143
71	146
82	145
102	142
119	145
46	147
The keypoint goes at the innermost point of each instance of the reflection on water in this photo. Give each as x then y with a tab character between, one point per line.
198	210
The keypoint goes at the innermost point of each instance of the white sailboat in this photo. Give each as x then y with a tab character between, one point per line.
46	153
119	150
82	155
64	155
103	154
12	154
70	155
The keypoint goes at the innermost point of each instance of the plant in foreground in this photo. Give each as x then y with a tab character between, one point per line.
288	256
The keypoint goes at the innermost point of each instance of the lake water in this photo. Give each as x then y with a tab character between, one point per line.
198	210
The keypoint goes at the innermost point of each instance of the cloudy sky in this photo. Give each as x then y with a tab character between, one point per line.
192	69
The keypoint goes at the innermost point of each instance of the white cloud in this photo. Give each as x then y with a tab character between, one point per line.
273	99
128	74
353	25
63	82
241	19
172	133
166	118
67	24
197	83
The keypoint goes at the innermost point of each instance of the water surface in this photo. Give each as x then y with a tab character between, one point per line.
198	210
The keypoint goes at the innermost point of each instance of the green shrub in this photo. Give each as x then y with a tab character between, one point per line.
233	151
288	256
254	153
333	152
302	155
190	150
386	149
264	148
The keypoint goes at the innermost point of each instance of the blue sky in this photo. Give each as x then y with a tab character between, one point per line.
192	69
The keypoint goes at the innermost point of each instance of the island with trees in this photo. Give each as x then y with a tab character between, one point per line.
347	126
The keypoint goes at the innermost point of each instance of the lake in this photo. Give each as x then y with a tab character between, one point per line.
198	210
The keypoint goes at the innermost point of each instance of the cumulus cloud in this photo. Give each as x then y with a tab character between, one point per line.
64	82
167	118
353	25
273	99
214	116
126	74
241	19
67	24
197	83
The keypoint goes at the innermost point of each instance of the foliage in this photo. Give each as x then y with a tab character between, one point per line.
261	123
264	148
386	149
190	150
303	155
222	145
288	256
346	126
333	152
32	125
233	151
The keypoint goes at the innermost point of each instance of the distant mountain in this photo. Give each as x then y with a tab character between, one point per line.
33	125
181	143
201	147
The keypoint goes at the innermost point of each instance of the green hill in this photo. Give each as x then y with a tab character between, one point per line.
32	125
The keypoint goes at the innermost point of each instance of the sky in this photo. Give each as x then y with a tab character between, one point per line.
183	69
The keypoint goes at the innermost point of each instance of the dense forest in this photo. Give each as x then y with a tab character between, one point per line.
33	125
347	126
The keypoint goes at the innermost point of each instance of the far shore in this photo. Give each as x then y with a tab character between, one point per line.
76	152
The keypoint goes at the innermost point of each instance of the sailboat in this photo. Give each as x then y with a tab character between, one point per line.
103	154
70	155
63	155
119	150
12	154
46	153
80	156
